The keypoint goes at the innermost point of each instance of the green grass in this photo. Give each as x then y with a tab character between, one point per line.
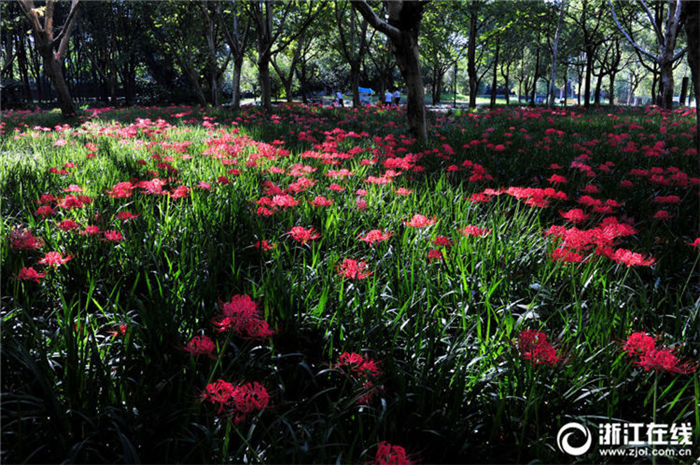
453	388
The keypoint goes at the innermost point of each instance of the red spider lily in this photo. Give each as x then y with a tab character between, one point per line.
90	230
665	360
303	235
442	241
180	192
650	358
112	235
126	216
389	454
121	190
639	343
626	184
73	188
374	236
534	346
201	345
24	240
336	187
696	243
250	397
471	230
242	315
321	201
72	201
662	215
630	258
264	245
353	269
284	200
360	366
119	332
44	210
30	273
47	198
361	204
420	221
54	259
435	254
557	179
220	392
575	215
67	225
669	199
403	191
566	255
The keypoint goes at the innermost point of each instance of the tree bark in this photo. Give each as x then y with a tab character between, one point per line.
402	29
471	53
494	82
555	46
611	92
45	42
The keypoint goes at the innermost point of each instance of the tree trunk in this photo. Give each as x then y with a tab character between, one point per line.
264	75
684	91
236	91
611	94
598	88
553	79
471	55
55	73
589	72
535	79
408	59
506	82
666	92
22	63
566	85
355	83
494	82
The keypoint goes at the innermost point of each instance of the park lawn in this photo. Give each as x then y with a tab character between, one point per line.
299	287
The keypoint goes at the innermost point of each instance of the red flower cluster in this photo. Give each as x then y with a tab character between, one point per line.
24	240
534	346
30	274
54	259
303	235
420	221
650	358
243	316
353	269
240	401
363	369
374	236
471	230
389	454
201	345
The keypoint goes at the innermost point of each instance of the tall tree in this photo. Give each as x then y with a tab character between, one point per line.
666	35
402	29
269	34
352	42
51	46
237	37
555	49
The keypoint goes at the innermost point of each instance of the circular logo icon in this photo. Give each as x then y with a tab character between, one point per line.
564	436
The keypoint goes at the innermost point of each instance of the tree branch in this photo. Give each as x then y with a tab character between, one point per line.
627	36
371	17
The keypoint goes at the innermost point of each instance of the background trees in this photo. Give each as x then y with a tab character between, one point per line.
116	52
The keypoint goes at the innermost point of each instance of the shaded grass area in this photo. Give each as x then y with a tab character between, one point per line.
453	386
